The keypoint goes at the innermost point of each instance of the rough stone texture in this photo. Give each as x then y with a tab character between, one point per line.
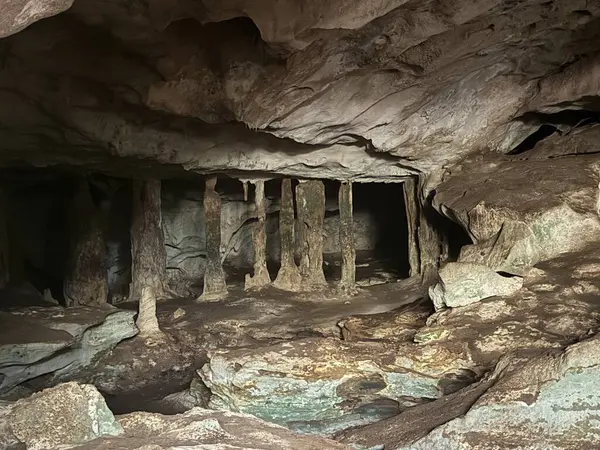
86	280
348	278
549	402
18	14
310	201
556	307
214	276
261	278
520	211
324	385
464	283
201	429
288	277
58	341
148	258
337	82
68	414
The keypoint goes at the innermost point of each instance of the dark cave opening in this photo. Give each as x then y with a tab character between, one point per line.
380	231
560	122
42	220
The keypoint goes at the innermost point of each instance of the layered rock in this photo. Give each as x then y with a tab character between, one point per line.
61	342
530	401
325	385
522	211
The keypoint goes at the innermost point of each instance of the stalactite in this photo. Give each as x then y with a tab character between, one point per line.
412	206
214	276
4	243
86	277
261	277
348	277
288	277
310	196
148	271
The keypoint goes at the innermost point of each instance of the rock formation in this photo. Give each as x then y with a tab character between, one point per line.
439	160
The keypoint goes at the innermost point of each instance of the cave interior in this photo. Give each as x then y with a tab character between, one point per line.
269	224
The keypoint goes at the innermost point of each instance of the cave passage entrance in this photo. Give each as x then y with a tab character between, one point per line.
380	232
39	214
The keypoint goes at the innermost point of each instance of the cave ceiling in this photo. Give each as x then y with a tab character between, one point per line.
355	89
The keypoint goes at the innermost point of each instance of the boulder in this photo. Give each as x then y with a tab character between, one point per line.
59	341
465	283
322	386
67	414
556	307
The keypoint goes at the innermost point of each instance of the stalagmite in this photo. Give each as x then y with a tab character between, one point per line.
348	278
4	247
411	202
148	272
86	276
310	197
261	277
214	276
288	277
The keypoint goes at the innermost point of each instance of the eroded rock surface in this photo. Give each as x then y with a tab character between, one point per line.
58	341
202	429
464	283
67	414
325	385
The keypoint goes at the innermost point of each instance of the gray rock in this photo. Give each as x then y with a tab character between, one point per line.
67	414
465	283
39	341
549	403
325	385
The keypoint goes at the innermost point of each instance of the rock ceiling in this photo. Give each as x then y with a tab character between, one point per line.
336	89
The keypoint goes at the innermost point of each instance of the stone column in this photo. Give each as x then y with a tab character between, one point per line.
310	197
86	275
348	278
411	202
214	276
4	243
288	277
261	277
148	256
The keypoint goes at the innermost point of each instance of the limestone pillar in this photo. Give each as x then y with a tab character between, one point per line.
310	198
288	277
348	278
86	275
261	277
148	256
4	244
214	276
429	239
411	202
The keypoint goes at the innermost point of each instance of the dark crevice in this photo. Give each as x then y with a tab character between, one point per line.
562	122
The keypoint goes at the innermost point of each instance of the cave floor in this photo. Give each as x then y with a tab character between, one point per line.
247	318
